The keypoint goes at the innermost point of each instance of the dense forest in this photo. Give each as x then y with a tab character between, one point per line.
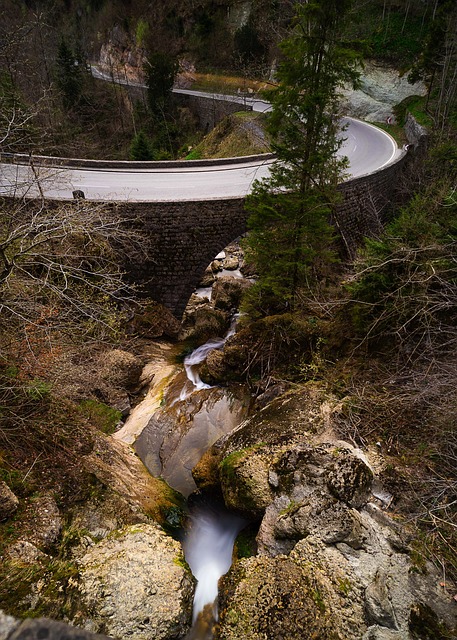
377	330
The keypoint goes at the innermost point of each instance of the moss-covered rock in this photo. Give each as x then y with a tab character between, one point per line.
275	598
244	481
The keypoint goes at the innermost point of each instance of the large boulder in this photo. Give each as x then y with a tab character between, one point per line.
287	597
227	292
120	368
331	563
135	584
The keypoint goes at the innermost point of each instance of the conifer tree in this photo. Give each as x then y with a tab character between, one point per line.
290	211
141	148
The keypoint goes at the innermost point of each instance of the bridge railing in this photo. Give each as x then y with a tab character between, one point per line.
81	163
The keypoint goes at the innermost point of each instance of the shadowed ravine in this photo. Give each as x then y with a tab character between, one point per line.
193	416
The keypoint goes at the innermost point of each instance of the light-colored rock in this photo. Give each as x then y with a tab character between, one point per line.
44	521
8	501
25	552
135	585
381	89
231	263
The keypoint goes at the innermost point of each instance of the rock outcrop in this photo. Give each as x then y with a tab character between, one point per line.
331	563
135	585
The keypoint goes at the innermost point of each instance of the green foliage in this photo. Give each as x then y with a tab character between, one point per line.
405	286
141	148
142	30
289	232
100	415
160	72
70	69
416	106
38	389
194	154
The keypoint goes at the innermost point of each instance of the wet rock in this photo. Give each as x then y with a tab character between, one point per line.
8	501
134	584
204	322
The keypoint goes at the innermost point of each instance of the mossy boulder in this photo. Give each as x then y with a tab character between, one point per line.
244	481
275	598
227	292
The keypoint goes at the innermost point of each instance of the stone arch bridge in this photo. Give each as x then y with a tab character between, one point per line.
184	237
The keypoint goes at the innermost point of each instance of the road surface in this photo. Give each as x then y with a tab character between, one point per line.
367	148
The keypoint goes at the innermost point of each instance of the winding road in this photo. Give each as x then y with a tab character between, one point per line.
367	147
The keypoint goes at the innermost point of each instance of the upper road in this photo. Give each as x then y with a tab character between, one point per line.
367	148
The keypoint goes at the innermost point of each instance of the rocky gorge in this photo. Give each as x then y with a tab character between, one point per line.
323	555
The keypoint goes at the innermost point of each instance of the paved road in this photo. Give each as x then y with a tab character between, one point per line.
367	148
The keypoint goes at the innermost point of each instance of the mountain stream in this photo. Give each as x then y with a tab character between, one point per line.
189	418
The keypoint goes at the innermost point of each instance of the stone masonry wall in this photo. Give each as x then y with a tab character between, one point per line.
210	111
365	204
184	237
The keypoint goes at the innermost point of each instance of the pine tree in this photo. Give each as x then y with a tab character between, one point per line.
160	71
69	76
290	211
140	149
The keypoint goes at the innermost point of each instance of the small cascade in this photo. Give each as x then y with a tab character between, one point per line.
194	359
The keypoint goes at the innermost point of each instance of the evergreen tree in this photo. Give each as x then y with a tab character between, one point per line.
160	72
69	75
141	149
290	211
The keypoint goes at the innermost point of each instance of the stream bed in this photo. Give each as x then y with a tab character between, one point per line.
189	419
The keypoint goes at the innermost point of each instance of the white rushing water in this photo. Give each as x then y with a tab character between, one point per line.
194	359
208	548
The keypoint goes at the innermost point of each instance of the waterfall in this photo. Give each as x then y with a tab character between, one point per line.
208	548
212	529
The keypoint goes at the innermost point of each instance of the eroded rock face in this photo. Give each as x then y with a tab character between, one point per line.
331	563
381	87
135	585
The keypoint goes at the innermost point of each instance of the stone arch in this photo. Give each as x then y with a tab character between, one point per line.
183	238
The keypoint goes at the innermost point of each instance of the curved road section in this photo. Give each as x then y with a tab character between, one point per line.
367	148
